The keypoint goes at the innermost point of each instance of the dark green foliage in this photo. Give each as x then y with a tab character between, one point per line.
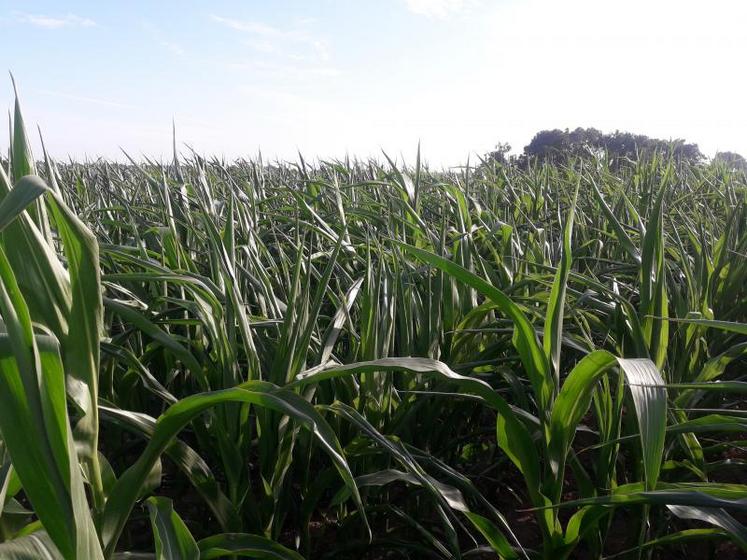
559	145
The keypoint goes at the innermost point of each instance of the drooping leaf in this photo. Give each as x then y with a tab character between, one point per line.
173	539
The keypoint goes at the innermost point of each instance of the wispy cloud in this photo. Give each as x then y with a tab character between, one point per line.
281	70
439	9
175	48
54	22
287	105
86	99
269	39
255	27
159	37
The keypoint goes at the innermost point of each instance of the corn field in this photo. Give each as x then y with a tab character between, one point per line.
204	359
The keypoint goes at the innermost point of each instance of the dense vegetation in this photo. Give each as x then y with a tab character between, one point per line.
354	359
559	146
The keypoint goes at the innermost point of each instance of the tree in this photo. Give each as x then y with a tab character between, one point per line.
559	145
732	160
499	154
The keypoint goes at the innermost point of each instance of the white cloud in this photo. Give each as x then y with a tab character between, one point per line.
440	9
269	39
159	37
175	48
254	27
54	22
281	72
263	46
86	99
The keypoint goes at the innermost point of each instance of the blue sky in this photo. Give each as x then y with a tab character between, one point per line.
330	77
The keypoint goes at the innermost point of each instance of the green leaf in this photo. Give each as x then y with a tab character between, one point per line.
718	386
678	538
241	544
36	546
707	495
25	191
654	301
34	423
495	538
570	406
80	348
452	496
444	495
650	399
173	539
513	436
525	338
159	335
728	326
717	517
39	273
622	237
553	334
189	462
22	163
177	416
22	160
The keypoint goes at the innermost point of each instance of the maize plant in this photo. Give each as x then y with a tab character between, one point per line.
343	359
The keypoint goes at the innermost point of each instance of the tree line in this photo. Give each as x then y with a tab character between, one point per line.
557	146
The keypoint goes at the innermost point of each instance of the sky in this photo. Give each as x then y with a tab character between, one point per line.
330	78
